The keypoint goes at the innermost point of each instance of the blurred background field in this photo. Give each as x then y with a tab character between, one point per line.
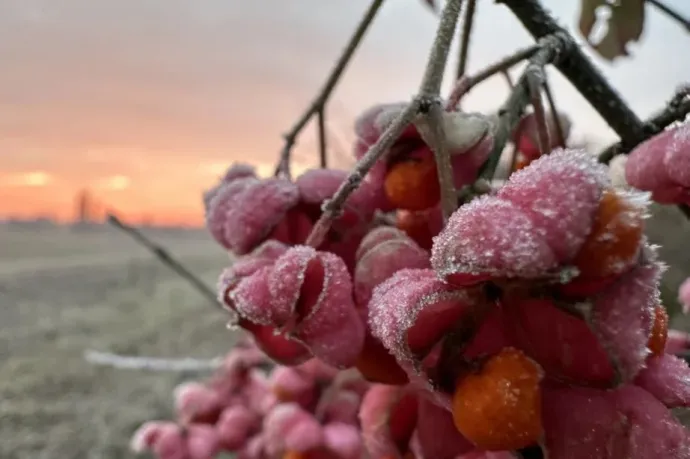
63	292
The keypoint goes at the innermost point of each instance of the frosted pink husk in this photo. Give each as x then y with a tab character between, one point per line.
245	211
145	436
564	345
342	407
409	313
560	192
343	440
661	165
307	294
293	384
202	442
379	262
254	449
467	164
677	157
436	433
668	379
235	425
375	417
195	401
252	298
170	443
333	330
622	318
376	237
318	185
625	423
234	172
289	428
238	170
220	203
490	237
487	455
318	370
684	295
677	342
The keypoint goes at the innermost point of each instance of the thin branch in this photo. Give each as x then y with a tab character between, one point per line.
465	84
325	92
671	13
422	104
436	64
465	38
550	50
323	156
332	207
580	71
534	84
560	132
151	363
676	110
167	259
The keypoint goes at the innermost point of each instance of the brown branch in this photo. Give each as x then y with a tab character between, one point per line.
684	22
423	104
550	49
465	38
560	132
167	259
283	166
323	154
465	84
580	71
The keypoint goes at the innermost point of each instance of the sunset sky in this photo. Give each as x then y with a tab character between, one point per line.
145	102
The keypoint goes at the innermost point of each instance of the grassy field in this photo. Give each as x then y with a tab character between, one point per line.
62	293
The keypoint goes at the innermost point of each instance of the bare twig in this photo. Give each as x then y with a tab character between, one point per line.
550	50
560	132
676	110
151	363
323	156
422	104
331	208
283	166
684	22
166	259
580	71
534	85
465	38
465	84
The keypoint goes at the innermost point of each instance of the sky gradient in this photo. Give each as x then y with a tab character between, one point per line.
145	102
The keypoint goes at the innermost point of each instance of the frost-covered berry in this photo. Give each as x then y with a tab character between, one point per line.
661	165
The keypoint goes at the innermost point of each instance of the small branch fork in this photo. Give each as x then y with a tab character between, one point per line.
549	50
424	110
317	107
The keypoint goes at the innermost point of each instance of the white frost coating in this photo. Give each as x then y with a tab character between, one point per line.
464	130
617	172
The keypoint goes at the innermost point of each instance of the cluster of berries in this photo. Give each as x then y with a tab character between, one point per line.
530	319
